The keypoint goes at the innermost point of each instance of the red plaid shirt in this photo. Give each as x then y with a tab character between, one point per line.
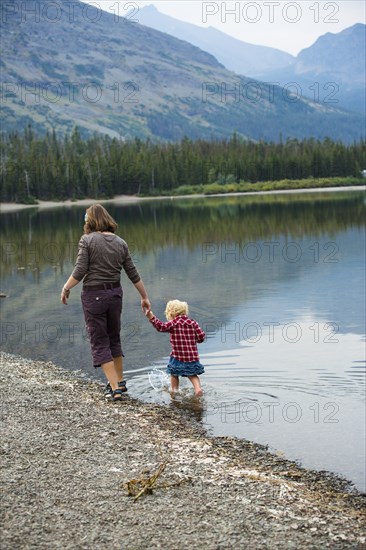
184	335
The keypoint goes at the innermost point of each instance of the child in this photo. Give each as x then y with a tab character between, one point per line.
184	335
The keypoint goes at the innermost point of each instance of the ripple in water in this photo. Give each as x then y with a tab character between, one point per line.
294	396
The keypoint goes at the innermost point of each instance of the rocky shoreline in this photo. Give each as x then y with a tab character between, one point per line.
69	459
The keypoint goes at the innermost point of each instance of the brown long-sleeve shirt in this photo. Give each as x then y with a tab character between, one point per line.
100	259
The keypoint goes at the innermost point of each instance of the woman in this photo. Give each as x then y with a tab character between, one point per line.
101	257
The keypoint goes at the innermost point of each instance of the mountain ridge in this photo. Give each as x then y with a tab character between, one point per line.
112	76
236	55
337	58
335	65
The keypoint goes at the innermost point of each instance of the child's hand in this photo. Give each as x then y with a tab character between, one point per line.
149	314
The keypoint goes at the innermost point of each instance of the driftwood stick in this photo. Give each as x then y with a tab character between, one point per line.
137	487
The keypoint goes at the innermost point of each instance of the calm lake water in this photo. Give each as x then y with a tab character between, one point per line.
277	282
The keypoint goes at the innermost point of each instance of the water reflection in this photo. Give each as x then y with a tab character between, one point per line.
276	282
40	238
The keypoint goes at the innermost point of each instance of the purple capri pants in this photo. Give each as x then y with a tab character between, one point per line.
102	312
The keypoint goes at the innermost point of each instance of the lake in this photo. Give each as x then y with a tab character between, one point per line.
276	281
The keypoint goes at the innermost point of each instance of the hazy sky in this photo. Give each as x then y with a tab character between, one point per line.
286	25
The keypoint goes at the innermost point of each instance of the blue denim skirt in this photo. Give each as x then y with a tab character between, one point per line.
184	368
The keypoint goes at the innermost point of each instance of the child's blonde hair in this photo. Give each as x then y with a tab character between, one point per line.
175	308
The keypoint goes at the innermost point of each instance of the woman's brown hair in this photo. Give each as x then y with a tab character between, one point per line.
98	219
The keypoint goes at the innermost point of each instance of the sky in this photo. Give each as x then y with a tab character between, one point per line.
287	25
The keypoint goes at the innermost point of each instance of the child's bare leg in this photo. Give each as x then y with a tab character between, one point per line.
174	382
196	384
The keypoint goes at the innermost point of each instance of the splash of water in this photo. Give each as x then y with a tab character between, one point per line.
158	379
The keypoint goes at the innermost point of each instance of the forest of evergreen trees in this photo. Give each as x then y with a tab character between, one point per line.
53	168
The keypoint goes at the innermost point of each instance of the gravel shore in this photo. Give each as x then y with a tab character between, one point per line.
130	199
69	459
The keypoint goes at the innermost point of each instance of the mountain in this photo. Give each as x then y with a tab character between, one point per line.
333	68
66	64
342	53
236	55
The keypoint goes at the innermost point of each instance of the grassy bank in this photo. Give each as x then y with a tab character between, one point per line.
202	190
246	187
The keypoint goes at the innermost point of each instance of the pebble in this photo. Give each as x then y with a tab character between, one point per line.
220	493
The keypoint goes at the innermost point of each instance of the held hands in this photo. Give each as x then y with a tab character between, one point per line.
149	314
145	305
